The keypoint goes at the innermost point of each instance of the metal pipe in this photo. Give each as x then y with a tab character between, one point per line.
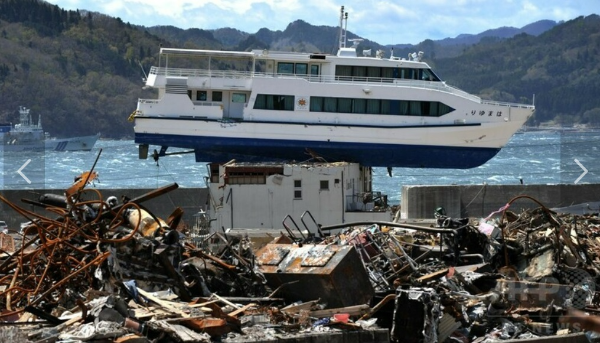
392	224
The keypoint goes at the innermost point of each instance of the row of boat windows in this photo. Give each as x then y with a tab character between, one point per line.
386	73
338	105
359	71
203	95
297	68
349	105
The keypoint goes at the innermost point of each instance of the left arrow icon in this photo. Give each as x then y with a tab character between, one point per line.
20	171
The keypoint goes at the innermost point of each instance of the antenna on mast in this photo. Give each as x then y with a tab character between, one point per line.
343	26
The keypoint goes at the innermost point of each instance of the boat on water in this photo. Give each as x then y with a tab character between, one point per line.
30	136
372	109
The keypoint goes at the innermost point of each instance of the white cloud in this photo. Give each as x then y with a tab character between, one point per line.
382	21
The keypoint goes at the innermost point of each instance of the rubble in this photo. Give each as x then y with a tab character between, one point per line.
95	269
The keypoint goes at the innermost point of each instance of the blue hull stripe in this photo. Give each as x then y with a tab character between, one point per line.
219	149
420	126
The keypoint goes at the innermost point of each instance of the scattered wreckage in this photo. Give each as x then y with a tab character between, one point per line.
95	269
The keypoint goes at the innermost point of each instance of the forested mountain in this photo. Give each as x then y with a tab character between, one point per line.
83	72
80	71
560	67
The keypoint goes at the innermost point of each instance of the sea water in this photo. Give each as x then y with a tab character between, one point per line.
539	157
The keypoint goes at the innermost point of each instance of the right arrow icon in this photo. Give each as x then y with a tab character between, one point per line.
584	171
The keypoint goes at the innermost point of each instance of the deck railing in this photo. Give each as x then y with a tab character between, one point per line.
233	74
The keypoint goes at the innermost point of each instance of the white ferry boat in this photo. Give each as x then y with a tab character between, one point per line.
285	106
30	136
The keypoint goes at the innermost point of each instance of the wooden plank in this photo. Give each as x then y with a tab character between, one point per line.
163	303
435	275
297	308
241	310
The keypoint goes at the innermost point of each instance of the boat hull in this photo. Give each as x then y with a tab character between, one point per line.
85	143
453	151
218	149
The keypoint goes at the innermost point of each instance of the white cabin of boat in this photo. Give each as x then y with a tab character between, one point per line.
229	91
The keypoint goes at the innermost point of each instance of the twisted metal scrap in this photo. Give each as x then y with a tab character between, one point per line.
70	248
571	233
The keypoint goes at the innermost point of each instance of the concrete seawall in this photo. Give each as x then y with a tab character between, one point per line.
191	200
417	201
481	200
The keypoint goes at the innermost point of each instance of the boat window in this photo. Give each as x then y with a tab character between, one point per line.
314	70
274	102
428	75
238	97
316	104
330	105
189	93
385	107
378	106
343	72
415	108
403	108
373	106
359	106
443	109
345	105
407	73
217	96
360	71
387	73
285	68
202	95
433	108
425	107
373	72
301	68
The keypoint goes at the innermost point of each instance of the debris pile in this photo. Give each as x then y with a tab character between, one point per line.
95	269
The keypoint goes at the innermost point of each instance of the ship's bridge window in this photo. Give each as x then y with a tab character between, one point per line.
201	96
301	68
274	102
285	68
296	68
342	71
385	74
428	75
407	73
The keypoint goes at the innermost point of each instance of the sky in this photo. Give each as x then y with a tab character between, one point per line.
381	21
